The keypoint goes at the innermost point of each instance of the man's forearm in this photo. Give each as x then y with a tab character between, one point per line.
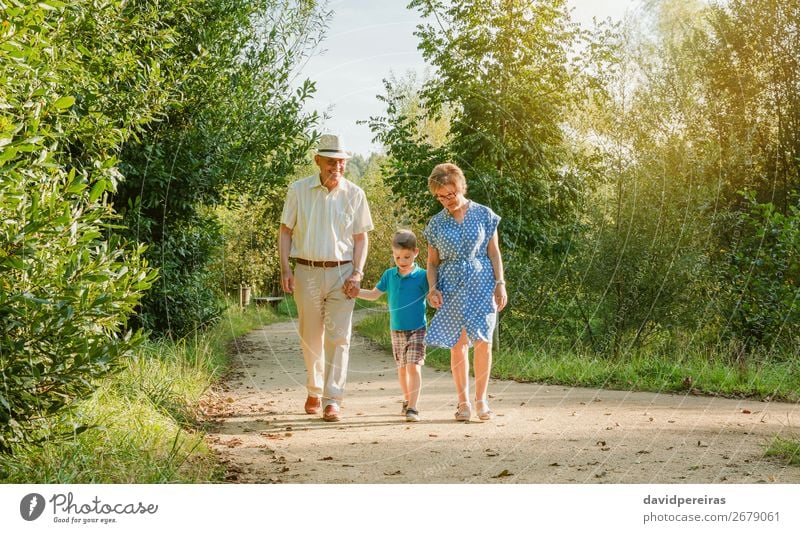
360	248
284	247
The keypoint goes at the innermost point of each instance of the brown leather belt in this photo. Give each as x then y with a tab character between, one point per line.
323	264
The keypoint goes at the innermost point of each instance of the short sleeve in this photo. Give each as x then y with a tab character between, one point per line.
289	215
429	231
362	218
383	284
493	220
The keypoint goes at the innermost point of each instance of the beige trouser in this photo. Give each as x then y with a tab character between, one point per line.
325	317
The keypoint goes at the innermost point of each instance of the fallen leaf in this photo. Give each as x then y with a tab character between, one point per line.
554	464
601	474
746	411
504	473
643	451
395	473
701	445
601	443
284	469
432	435
328	458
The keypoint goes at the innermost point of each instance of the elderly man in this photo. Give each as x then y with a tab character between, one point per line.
324	229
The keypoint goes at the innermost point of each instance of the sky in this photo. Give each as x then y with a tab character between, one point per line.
367	40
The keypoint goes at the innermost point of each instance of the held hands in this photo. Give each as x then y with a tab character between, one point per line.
500	296
352	285
435	298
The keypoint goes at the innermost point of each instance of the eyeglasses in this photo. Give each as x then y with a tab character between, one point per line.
444	197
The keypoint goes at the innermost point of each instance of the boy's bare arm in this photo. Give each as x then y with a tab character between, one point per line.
369	294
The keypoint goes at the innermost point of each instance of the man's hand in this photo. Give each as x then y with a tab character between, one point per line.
287	281
352	285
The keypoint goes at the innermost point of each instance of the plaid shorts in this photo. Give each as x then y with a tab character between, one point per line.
408	347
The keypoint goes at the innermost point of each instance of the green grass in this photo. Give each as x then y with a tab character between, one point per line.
144	424
643	371
786	449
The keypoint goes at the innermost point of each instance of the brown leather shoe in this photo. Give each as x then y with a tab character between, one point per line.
312	405
331	414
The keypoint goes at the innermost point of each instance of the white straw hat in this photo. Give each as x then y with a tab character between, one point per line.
331	145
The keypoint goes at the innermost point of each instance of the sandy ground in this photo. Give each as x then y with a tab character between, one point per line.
541	434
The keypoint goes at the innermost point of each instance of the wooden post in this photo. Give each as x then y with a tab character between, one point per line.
244	296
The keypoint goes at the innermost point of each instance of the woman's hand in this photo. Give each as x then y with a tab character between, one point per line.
435	298
500	296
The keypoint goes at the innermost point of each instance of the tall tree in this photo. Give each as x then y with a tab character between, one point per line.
502	71
238	125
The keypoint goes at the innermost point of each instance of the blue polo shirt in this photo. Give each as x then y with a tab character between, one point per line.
406	297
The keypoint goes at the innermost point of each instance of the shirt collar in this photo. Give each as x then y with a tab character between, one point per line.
399	275
316	184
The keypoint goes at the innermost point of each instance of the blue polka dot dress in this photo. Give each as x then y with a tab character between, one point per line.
465	276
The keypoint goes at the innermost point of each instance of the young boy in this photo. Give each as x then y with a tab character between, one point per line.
407	285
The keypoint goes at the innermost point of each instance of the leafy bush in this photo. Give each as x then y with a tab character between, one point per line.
66	287
763	276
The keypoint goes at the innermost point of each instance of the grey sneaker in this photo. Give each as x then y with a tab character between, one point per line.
412	415
405	408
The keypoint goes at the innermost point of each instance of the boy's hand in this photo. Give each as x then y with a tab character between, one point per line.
435	298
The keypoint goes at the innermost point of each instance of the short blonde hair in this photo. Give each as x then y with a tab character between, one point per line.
447	174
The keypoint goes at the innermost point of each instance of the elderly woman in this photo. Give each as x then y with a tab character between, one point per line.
465	273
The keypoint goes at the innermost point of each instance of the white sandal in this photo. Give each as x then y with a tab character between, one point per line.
464	412
484	413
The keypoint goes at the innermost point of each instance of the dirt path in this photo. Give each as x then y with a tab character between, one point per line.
542	434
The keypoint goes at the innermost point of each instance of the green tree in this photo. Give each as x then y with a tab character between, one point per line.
502	74
238	125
